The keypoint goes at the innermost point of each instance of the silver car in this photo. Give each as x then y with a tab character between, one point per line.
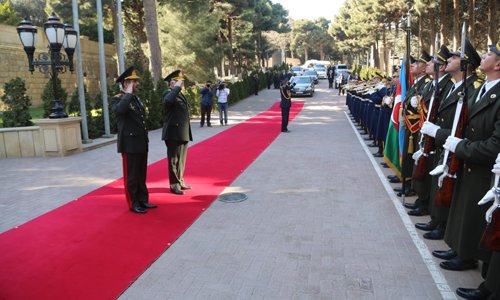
302	86
321	71
313	74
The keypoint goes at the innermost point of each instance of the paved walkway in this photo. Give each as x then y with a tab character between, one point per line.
320	222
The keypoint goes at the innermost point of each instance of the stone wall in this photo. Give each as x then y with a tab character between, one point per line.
14	63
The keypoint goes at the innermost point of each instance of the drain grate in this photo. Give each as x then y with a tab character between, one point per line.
232	197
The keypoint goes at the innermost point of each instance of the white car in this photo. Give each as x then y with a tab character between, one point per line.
321	70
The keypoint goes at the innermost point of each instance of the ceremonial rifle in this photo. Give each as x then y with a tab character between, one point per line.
450	167
426	142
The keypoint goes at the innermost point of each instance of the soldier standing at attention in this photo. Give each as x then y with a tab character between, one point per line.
285	104
176	131
132	141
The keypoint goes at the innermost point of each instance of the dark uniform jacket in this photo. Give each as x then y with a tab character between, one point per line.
286	96
176	124
132	133
478	152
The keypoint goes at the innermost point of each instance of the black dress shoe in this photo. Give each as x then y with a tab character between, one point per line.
457	264
412	206
473	294
372	145
138	210
418	212
176	191
444	254
185	187
425	226
368	138
384	165
395	180
378	154
392	176
147	205
436	234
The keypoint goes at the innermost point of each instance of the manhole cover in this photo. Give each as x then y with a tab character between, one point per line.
232	197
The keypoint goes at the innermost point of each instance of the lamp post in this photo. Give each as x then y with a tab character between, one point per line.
54	61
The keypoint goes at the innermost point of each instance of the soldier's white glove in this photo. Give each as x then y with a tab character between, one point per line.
437	171
417	155
387	100
491	195
451	143
429	129
414	101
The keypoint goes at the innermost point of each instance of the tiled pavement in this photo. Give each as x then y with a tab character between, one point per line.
320	221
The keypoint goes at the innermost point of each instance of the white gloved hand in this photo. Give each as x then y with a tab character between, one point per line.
417	155
387	100
498	159
437	171
414	101
496	169
429	129
489	213
488	197
451	143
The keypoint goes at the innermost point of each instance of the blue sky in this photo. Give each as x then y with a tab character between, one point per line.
311	9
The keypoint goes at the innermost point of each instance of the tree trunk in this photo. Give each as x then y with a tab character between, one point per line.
492	24
306	55
151	20
321	51
432	29
384	52
230	41
456	24
376	55
472	35
114	20
421	43
442	25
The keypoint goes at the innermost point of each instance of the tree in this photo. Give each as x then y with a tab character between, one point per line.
153	39
7	14
48	96
18	104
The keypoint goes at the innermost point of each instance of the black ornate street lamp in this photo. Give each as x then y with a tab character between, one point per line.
54	61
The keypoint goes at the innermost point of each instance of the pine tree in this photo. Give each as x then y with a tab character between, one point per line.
18	104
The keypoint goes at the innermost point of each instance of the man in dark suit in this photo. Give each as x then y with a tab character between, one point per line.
176	131
285	104
132	141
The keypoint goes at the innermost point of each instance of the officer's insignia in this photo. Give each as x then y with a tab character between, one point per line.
132	106
493	96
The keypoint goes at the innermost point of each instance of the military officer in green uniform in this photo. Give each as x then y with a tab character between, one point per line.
132	141
176	131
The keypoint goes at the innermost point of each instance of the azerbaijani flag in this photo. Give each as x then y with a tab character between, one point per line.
402	86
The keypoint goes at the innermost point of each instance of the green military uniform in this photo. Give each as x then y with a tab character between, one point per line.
478	151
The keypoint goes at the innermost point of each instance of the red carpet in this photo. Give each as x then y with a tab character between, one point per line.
94	248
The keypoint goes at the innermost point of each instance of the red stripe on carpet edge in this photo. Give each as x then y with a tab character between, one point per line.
94	248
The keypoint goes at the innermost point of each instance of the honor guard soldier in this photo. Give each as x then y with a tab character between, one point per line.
411	117
132	141
477	149
424	185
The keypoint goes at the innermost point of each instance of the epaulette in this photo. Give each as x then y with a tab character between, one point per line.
119	94
478	83
428	79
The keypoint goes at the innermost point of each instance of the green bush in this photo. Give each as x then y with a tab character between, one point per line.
48	97
18	104
151	101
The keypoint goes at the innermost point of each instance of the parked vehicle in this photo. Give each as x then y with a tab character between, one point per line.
303	86
321	69
313	74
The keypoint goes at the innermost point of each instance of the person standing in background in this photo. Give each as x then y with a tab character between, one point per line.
222	95
206	103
